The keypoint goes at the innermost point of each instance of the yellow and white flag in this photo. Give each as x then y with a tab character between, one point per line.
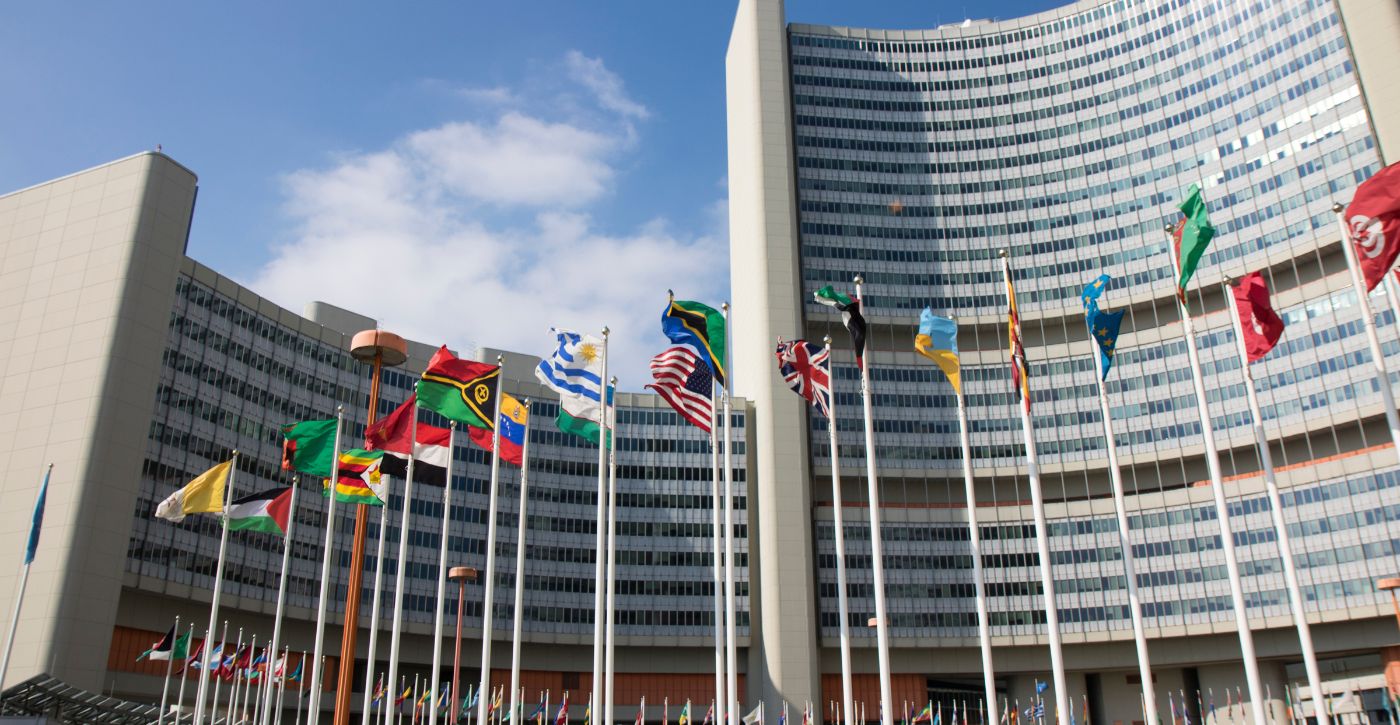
203	495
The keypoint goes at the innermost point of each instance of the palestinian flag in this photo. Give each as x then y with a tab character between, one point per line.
850	315
393	436
308	447
169	647
460	390
359	480
267	512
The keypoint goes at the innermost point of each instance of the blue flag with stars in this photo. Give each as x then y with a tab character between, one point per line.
1104	327
1091	293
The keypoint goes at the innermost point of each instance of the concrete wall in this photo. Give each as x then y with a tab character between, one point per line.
87	272
1373	30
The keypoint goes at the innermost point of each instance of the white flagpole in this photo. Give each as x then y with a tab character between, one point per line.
185	675
241	694
842	607
1285	547
882	625
979	581
717	526
233	684
19	593
596	695
731	637
207	669
608	669
1222	510
282	685
1369	322
441	604
313	715
1124	543
401	564
214	707
301	687
520	559
365	716
169	661
488	601
263	688
1042	539
281	593
218	583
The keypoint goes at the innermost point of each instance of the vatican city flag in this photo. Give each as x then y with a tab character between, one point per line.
204	494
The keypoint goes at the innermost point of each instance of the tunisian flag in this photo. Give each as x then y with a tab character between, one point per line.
1261	325
1373	223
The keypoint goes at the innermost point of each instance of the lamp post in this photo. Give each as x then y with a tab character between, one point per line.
461	575
1390	585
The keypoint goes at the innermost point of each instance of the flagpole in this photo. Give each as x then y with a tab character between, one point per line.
218	583
282	685
169	660
281	592
608	668
205	671
1369	321
1222	510
1042	538
441	603
488	601
598	556
1124	543
247	680
520	559
233	684
184	674
263	687
838	509
731	636
882	625
1285	546
313	715
24	574
716	529
984	634
399	568
365	716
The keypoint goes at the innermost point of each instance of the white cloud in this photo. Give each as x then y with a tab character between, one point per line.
479	234
497	95
606	85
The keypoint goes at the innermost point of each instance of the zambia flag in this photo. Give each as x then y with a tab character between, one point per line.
460	390
358	480
307	446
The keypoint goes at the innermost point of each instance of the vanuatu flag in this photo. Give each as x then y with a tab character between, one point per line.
460	390
700	328
268	512
1191	237
359	480
307	447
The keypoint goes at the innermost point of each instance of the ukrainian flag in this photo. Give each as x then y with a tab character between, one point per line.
938	341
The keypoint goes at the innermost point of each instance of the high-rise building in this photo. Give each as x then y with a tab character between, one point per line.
912	157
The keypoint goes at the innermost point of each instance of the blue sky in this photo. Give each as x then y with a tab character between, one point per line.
411	161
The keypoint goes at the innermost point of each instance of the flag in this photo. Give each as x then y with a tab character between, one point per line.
307	447
588	713
700	328
1262	327
192	661
399	700
379	689
279	668
359	480
807	370
460	390
203	495
938	341
1020	371
1373	224
1103	326
296	674
683	380
1094	290
38	520
850	316
925	715
512	419
685	715
213	657
395	433
575	372
268	512
562	717
1191	237
710	714
755	715
161	647
539	709
443	697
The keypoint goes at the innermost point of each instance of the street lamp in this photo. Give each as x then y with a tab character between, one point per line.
461	575
1390	585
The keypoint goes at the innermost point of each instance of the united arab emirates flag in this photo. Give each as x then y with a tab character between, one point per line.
1192	236
460	390
308	447
850	315
359	480
267	512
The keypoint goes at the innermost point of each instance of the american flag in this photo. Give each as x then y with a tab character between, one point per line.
684	381
807	369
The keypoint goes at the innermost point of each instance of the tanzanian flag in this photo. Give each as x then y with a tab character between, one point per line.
359	480
700	328
460	390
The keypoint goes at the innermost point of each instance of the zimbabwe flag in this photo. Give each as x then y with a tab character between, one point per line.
358	480
460	390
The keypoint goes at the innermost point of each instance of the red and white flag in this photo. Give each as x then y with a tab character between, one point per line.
1262	326
1373	223
393	436
684	381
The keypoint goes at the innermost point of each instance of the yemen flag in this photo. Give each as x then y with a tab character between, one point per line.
267	512
308	447
394	434
1191	237
460	390
850	315
359	479
513	419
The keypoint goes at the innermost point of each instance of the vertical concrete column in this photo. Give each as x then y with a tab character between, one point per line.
1373	35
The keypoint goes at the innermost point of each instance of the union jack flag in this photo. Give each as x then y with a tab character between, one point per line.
807	369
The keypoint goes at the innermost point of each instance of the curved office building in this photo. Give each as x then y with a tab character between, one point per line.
911	158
